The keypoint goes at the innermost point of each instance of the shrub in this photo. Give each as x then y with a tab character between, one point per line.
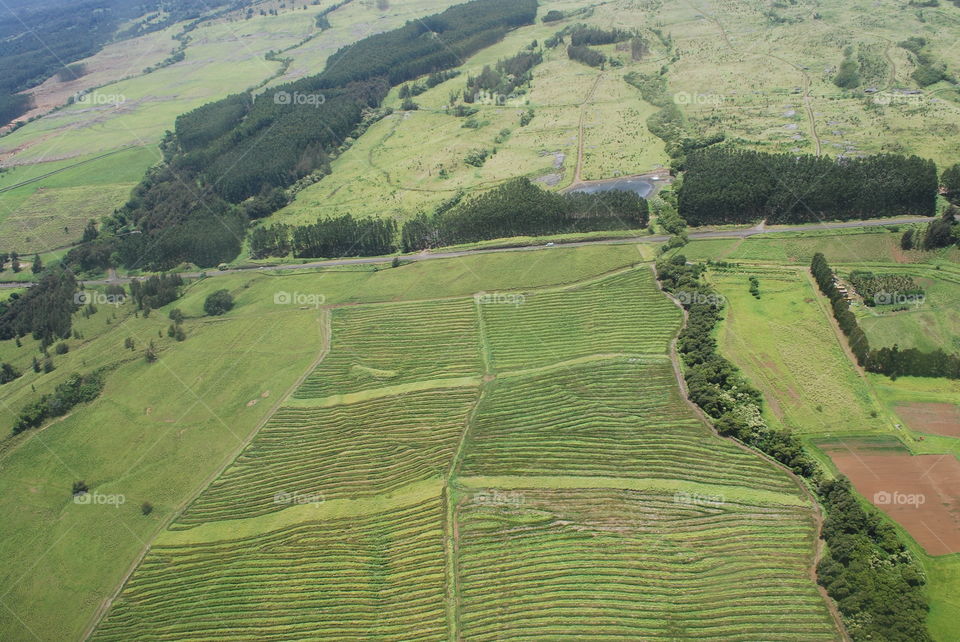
220	302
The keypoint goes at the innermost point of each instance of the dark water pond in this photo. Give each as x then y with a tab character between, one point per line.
642	186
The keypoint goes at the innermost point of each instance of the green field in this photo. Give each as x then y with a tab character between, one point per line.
632	564
161	431
485	447
867	245
381	575
788	348
379	463
375	347
786	344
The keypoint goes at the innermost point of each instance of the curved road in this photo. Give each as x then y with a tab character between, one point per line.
429	256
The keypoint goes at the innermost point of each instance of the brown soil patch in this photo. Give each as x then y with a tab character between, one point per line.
932	418
920	492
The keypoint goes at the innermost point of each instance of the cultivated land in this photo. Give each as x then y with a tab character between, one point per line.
411	451
889	475
422	497
887	436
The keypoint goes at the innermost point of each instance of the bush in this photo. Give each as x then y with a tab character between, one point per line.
220	302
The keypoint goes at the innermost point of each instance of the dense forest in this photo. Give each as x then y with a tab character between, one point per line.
878	586
44	311
724	185
240	148
520	208
891	361
38	40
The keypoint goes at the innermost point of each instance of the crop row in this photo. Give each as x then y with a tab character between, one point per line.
373	576
619	314
617	419
374	346
308	455
623	564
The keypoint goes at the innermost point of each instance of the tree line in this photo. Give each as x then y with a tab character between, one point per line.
725	185
520	208
893	362
75	390
516	208
225	160
867	569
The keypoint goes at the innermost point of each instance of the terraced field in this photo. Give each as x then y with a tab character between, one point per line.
617	418
387	345
375	575
620	564
354	450
621	313
350	514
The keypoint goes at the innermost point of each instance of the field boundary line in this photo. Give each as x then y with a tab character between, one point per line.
452	531
371	394
326	328
815	510
649	359
750	496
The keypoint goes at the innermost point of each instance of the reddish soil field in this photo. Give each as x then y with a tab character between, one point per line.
932	418
920	492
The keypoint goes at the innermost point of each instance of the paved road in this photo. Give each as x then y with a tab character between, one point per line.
429	256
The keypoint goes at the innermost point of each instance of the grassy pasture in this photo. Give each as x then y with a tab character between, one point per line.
927	326
852	246
786	346
154	435
56	217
